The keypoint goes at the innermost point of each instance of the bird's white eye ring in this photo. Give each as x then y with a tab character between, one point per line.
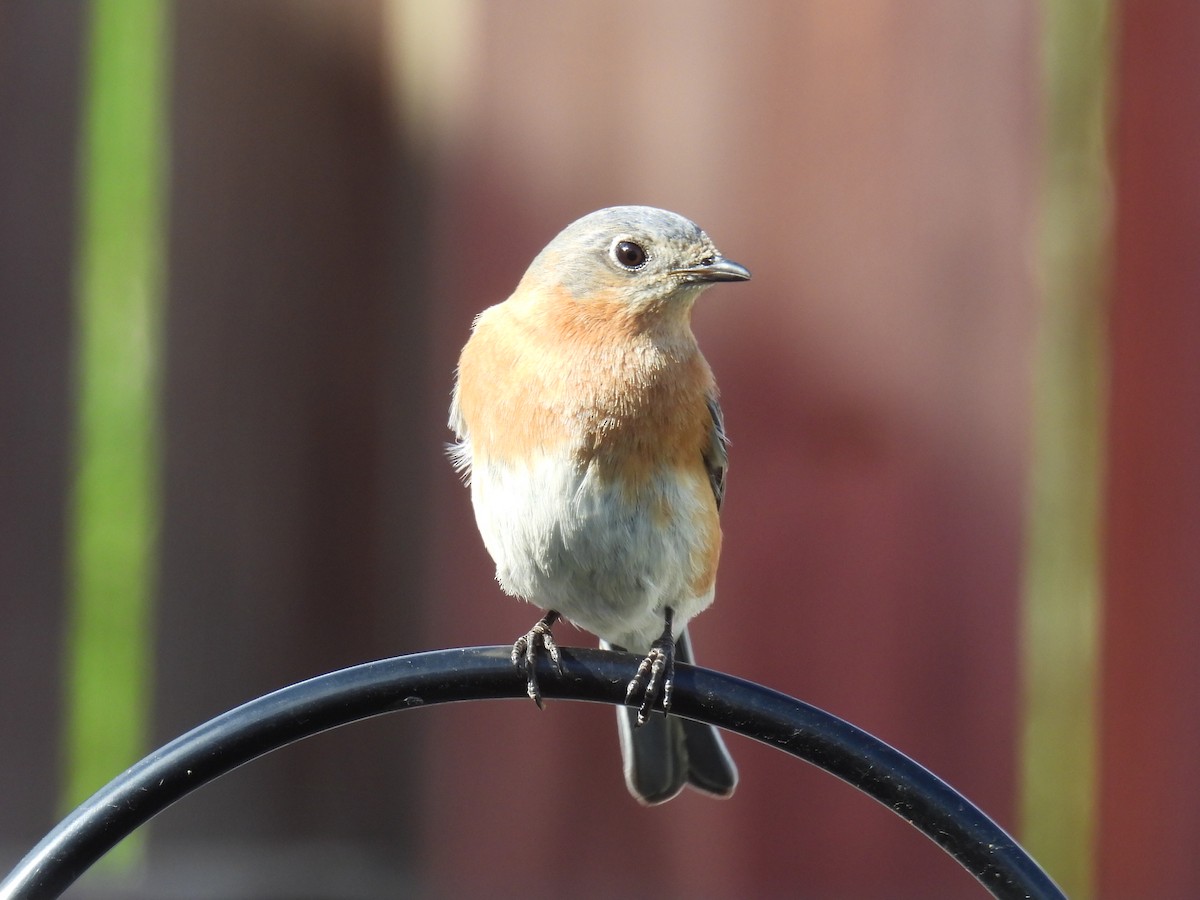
629	255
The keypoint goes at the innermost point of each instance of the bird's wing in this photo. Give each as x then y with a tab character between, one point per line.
459	450
716	454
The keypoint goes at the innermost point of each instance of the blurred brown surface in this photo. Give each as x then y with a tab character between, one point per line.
294	361
39	93
1149	792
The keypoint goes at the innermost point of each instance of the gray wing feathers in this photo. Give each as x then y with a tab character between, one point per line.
716	454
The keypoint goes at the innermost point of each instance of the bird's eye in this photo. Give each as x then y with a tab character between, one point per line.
630	255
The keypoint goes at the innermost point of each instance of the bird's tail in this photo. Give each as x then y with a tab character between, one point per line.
667	752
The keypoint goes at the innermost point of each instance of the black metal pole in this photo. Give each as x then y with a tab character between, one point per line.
484	673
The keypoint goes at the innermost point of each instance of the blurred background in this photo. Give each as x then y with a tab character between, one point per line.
242	243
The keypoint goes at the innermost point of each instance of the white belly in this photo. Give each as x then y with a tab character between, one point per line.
610	563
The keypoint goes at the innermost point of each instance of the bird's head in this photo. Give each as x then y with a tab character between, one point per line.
643	259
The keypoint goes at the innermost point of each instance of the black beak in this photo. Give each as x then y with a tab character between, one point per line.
714	268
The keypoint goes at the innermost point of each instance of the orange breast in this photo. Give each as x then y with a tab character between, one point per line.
587	378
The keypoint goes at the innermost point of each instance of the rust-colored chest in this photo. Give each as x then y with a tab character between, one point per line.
619	394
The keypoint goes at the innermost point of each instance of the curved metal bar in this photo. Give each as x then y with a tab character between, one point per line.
483	673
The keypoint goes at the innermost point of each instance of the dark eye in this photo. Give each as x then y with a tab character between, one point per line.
630	255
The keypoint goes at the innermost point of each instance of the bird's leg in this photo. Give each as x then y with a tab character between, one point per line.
525	651
657	673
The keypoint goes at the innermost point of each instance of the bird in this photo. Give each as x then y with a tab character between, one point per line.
588	428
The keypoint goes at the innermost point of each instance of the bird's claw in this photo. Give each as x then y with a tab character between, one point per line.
655	677
525	653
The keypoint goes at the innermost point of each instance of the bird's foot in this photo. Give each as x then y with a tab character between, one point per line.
525	652
655	676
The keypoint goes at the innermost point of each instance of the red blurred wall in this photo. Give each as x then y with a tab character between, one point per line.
1149	792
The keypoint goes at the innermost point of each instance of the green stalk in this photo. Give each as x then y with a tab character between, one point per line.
1062	609
114	513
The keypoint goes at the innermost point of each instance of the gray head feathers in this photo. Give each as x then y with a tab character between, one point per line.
641	253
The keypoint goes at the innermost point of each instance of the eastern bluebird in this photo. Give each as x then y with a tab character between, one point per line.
590	434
